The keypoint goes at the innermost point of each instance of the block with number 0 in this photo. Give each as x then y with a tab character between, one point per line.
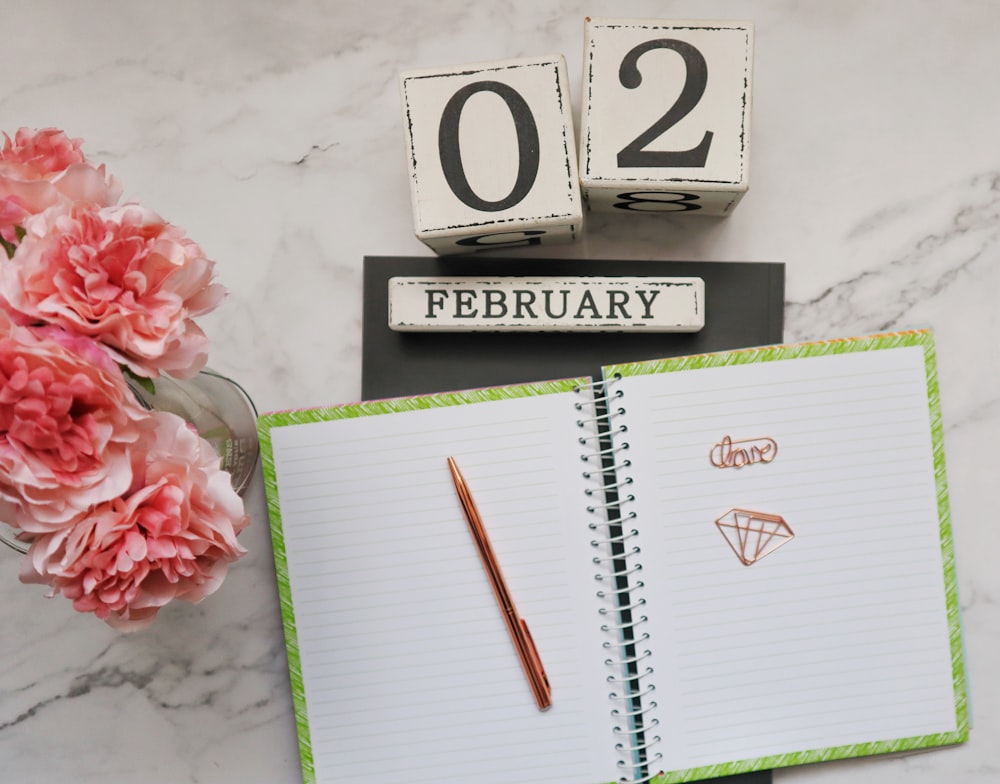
665	119
492	155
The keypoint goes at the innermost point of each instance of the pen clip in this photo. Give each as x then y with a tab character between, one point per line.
541	687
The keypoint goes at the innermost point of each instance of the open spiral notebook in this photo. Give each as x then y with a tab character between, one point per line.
729	562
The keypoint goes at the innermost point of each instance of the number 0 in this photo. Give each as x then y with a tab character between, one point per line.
451	153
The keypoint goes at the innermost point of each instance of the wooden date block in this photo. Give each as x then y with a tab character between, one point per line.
492	155
546	304
665	119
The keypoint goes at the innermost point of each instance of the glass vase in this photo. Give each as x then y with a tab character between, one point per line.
217	407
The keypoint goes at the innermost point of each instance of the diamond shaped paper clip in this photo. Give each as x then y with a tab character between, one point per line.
752	535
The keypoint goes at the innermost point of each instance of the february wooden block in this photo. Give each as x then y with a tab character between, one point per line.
492	155
546	304
665	119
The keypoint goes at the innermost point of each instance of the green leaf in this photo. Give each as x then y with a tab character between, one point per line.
9	247
140	381
19	232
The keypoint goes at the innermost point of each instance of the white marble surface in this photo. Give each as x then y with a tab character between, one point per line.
272	133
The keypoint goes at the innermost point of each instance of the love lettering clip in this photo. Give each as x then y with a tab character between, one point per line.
736	454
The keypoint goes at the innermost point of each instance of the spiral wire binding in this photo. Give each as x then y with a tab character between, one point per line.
621	622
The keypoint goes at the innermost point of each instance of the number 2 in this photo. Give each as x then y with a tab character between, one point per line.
635	154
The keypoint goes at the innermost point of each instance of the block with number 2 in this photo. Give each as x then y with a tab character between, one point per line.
665	115
492	154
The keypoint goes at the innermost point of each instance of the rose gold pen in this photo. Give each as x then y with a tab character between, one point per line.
518	629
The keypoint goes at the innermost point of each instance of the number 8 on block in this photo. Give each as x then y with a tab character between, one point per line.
491	153
665	121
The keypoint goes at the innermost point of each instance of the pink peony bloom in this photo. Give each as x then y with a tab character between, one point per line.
172	537
46	151
124	509
68	422
40	168
121	275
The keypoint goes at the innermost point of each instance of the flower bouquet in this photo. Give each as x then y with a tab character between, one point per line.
123	508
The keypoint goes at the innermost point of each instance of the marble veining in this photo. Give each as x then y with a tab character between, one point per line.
272	133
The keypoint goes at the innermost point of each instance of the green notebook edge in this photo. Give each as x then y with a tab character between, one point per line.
914	338
267	422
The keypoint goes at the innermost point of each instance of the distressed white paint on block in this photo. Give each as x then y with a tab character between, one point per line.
492	155
546	304
665	119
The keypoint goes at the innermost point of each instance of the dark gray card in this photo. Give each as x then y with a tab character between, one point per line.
744	306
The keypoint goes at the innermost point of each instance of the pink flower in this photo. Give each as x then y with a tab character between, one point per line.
46	151
121	275
172	537
123	509
40	168
68	422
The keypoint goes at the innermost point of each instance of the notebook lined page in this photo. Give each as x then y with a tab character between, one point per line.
408	670
841	635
